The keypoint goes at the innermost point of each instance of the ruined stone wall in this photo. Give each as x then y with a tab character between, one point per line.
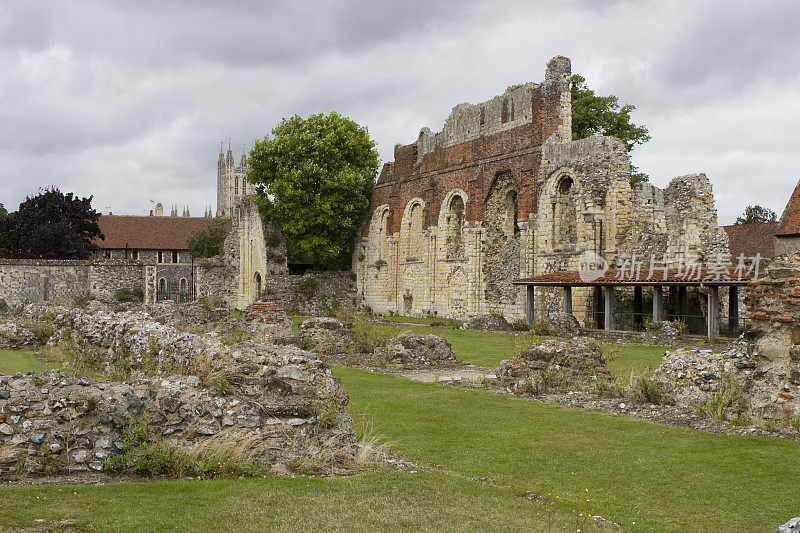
483	152
273	397
66	281
328	291
239	275
504	193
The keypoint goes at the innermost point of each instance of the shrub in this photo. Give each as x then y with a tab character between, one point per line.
647	390
307	287
221	383
130	295
42	332
728	393
520	325
237	314
366	338
541	328
328	413
680	325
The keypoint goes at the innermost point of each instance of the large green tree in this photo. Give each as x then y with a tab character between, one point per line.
596	114
755	214
315	178
209	241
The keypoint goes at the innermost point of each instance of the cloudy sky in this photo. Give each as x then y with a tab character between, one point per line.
129	101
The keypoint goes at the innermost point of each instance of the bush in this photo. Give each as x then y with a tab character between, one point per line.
307	287
541	328
647	391
328	414
680	325
130	295
729	392
208	241
520	325
42	332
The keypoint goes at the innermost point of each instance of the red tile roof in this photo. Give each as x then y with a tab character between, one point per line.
751	239
684	276
789	223
149	233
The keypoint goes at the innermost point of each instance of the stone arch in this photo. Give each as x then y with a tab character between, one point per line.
183	286
564	197
411	229
379	234
162	285
257	284
452	217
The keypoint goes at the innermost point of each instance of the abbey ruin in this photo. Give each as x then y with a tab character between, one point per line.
502	193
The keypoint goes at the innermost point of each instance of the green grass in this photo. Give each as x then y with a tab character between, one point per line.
662	478
623	359
373	502
449	322
14	361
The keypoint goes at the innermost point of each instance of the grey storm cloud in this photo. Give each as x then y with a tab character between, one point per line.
129	101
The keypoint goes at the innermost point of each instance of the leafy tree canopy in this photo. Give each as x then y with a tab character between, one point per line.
208	241
51	225
316	176
756	214
595	114
3	212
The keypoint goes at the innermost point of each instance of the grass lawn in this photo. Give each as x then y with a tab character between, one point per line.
642	475
450	322
372	502
622	359
14	361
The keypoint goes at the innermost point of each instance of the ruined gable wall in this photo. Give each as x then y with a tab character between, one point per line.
478	144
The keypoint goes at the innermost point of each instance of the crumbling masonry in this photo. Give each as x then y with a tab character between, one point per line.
502	193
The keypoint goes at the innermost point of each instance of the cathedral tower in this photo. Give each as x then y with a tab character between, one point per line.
231	182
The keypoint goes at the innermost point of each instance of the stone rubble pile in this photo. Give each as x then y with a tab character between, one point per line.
661	334
764	364
326	335
280	400
576	364
412	350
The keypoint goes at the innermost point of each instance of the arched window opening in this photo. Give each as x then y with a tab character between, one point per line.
184	286
565	185
510	214
257	283
455	225
414	233
162	285
565	218
383	243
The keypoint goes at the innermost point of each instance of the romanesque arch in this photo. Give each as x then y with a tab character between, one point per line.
257	284
501	242
411	228
378	244
452	217
564	198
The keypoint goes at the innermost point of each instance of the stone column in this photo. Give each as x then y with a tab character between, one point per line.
733	309
713	311
608	299
658	303
529	314
637	306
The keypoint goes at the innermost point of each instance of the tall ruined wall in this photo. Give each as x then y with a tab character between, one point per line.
238	276
502	193
412	256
